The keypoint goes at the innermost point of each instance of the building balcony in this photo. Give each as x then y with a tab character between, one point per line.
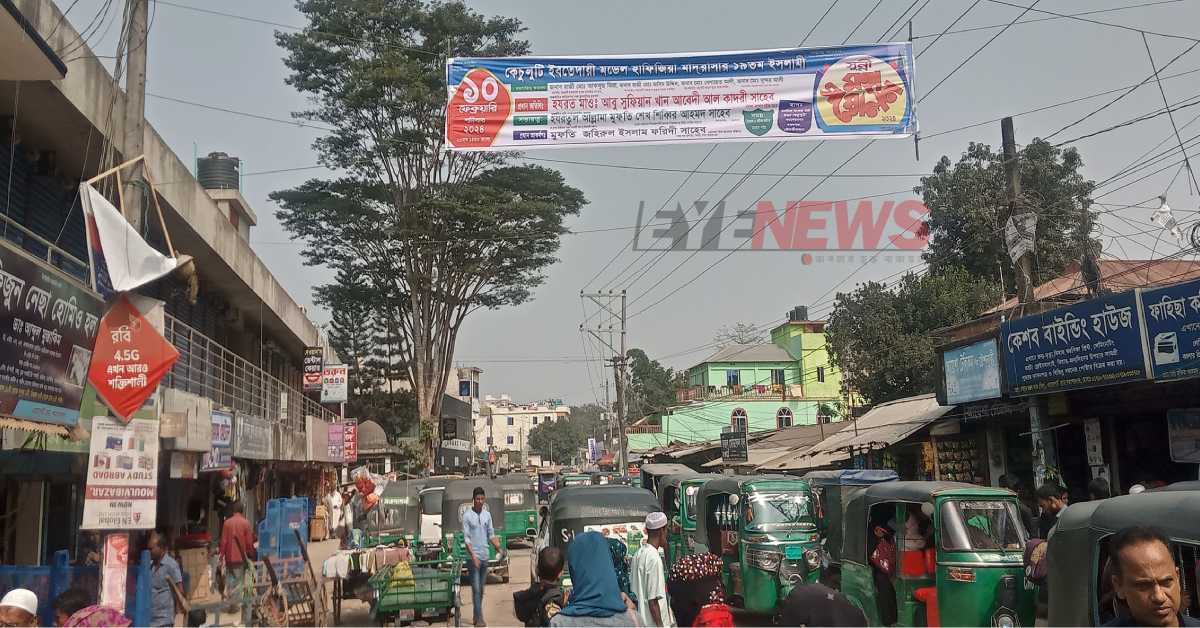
739	392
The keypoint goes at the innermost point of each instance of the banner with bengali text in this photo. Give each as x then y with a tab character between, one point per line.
516	103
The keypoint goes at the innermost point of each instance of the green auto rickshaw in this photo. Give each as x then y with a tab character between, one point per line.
457	499
520	507
832	490
397	517
677	494
765	529
653	472
1082	595
956	559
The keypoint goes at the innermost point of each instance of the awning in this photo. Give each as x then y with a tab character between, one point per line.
24	55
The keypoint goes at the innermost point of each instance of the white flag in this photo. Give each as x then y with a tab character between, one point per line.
1165	218
121	259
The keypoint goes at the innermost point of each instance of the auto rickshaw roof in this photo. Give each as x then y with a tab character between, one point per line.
600	501
1189	485
440	481
459	493
675	479
665	468
918	491
514	478
737	483
851	477
465	489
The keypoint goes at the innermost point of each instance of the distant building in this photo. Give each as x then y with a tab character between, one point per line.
505	425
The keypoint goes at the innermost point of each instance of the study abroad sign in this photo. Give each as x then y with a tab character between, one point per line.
517	103
122	482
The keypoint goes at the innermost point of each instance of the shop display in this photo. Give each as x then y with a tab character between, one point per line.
959	461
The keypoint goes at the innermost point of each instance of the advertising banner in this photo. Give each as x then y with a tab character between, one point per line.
131	357
1183	431
972	372
1172	318
314	363
335	380
221	455
122	481
350	441
517	103
252	438
335	436
1092	343
48	326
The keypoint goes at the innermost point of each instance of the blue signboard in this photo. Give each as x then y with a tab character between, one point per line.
972	372
1172	316
1093	343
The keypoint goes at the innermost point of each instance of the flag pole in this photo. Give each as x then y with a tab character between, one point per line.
116	168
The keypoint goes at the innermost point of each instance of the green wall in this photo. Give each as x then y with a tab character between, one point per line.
703	421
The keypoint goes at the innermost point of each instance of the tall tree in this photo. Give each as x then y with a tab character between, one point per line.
651	385
351	329
435	235
738	334
559	440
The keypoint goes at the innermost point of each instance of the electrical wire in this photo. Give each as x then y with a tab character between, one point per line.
1097	22
1048	19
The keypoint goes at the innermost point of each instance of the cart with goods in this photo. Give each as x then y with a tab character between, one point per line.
406	591
287	591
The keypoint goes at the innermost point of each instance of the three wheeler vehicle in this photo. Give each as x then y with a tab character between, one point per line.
457	499
397	516
520	507
832	490
613	510
430	506
677	495
653	472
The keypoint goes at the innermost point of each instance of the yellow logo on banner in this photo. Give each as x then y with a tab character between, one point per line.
860	93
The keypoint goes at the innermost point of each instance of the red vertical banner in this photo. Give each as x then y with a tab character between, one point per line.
114	570
130	358
350	441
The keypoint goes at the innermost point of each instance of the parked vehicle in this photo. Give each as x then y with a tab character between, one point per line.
677	495
832	490
430	506
969	571
765	529
653	472
457	499
612	510
1080	540
398	514
547	483
520	507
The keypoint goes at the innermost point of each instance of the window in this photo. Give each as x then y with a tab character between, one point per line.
489	440
732	378
510	420
783	418
535	420
777	377
820	373
981	525
510	440
739	420
233	218
475	389
549	418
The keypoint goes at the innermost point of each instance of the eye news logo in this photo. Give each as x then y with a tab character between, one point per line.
825	231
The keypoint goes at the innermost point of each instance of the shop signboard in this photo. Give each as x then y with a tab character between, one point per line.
314	366
122	480
515	103
317	439
48	325
350	440
1172	316
220	456
335	383
1183	431
252	438
1092	343
734	447
972	372
335	437
131	357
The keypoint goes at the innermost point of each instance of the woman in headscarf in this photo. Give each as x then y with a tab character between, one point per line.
697	593
619	552
595	598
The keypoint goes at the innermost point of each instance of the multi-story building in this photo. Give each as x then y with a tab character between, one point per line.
506	425
788	381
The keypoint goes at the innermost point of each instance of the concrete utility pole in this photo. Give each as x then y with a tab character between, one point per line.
606	301
1044	456
136	45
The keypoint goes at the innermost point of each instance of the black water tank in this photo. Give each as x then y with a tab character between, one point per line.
218	171
798	313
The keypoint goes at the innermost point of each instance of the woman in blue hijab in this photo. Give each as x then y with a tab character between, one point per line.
595	598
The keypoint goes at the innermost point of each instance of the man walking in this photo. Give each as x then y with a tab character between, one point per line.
164	572
1052	499
237	549
649	578
477	533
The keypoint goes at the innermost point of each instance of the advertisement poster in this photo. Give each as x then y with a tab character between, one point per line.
221	455
48	326
335	381
337	433
1092	343
314	366
972	372
1183	430
114	570
131	357
122	480
517	103
1172	316
350	441
1092	442
252	438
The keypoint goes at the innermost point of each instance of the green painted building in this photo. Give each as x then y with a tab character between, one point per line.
761	386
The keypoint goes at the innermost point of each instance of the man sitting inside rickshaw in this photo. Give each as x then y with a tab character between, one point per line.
1146	579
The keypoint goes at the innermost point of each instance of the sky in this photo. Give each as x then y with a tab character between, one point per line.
536	350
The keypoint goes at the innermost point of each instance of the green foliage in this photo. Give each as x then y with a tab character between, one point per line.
560	440
880	337
651	385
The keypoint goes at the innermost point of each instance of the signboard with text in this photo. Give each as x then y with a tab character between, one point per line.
734	447
972	372
122	480
131	357
314	366
1092	343
1172	317
335	436
335	383
515	103
221	455
350	440
252	438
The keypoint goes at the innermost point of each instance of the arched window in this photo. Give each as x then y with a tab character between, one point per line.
783	418
739	420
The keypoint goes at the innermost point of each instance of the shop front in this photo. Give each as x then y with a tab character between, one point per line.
253	450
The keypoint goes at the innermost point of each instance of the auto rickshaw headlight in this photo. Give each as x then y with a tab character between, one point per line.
763	559
812	558
1005	621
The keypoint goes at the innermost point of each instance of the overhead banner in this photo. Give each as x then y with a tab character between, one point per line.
335	383
517	103
1172	316
1091	343
48	326
314	362
122	480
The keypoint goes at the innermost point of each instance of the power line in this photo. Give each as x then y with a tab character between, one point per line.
245	114
978	50
1097	22
1047	19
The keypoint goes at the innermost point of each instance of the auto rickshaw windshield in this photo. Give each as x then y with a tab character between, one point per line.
981	526
791	509
431	502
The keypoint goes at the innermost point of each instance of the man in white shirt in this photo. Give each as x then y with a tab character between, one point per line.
649	577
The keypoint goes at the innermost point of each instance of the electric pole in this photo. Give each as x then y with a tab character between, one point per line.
136	45
1043	438
607	302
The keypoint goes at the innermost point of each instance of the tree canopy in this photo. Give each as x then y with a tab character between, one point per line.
651	385
738	334
560	440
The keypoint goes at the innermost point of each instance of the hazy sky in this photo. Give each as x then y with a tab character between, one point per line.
534	351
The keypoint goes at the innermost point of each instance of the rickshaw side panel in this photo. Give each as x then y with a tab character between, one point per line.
858	585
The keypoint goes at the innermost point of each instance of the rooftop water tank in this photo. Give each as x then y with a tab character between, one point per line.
218	171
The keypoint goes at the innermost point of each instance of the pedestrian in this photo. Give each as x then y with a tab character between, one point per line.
164	572
1146	579
1052	499
1099	489
620	558
697	593
68	603
237	552
478	531
96	615
820	604
595	600
538	604
649	578
18	608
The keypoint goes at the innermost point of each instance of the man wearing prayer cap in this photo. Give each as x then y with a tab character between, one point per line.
19	608
649	577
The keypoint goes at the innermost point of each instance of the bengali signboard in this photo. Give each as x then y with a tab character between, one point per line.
314	363
516	103
1091	343
122	481
1172	318
131	357
48	326
734	447
972	372
252	438
335	435
350	441
221	455
335	383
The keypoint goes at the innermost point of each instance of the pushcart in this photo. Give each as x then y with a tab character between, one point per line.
432	587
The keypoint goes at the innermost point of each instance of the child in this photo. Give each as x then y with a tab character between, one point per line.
543	599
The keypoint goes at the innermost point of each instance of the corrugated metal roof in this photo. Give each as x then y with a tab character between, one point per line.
1116	275
755	455
765	352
